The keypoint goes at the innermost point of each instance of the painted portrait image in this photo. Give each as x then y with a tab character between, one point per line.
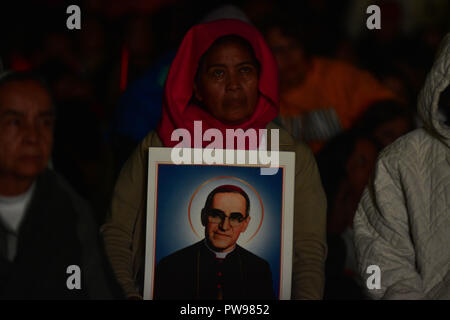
217	233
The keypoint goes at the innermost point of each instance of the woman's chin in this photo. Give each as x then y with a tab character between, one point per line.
235	119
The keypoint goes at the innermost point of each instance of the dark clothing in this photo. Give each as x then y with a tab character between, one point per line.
195	273
57	231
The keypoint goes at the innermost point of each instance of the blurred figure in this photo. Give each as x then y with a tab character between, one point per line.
82	157
45	227
140	41
139	110
385	121
135	50
75	73
401	52
319	97
92	46
403	220
135	86
396	76
93	52
346	163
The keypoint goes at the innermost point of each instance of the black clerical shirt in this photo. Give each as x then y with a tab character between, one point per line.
195	273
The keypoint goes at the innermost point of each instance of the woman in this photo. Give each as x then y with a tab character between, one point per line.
224	75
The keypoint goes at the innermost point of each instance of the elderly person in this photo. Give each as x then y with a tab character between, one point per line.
234	85
46	229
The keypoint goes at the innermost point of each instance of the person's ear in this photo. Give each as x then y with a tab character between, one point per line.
204	217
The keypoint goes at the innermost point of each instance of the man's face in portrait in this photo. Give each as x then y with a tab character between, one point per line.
226	219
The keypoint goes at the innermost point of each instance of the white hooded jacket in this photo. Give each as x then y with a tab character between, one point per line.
402	224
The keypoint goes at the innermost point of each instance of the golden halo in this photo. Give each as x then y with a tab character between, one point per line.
226	177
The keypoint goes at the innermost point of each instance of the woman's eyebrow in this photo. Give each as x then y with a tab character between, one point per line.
246	62
12	113
215	66
224	65
15	113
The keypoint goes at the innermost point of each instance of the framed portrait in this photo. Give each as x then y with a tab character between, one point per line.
218	231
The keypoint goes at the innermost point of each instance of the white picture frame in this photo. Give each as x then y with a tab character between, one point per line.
166	237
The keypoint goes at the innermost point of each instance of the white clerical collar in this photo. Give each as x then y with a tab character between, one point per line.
219	255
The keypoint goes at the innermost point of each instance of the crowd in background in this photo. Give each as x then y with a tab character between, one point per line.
107	80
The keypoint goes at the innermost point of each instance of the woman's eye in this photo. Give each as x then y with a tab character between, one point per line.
13	122
245	69
218	73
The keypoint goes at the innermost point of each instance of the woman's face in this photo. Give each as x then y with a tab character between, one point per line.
227	82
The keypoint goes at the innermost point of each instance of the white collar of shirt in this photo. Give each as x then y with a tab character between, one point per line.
219	255
12	209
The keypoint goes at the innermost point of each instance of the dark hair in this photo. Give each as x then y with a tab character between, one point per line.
228	188
231	38
332	160
291	25
19	76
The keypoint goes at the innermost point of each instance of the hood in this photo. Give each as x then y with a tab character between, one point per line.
437	80
227	11
179	112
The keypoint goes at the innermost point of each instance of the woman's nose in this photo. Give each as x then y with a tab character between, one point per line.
233	81
31	133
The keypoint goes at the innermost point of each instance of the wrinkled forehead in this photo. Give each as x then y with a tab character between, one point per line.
224	43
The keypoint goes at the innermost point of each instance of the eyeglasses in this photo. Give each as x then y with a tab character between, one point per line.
218	216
